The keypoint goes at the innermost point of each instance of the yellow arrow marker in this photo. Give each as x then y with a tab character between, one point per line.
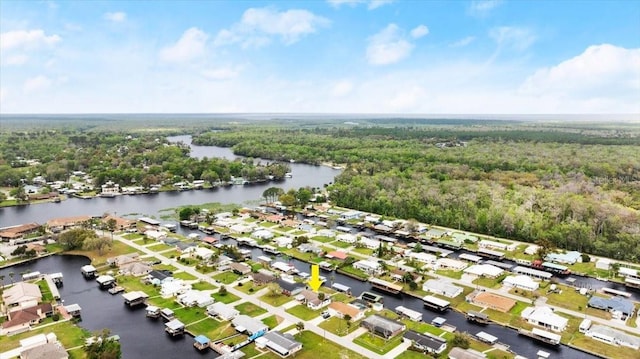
315	281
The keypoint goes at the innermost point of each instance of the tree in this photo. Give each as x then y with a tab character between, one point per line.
347	319
288	199
545	247
615	267
303	196
103	347
222	291
74	238
95	243
271	194
460	340
111	225
300	326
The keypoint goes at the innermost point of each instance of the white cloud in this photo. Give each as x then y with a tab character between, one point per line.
118	16
482	7
26	39
463	42
419	31
15	60
258	25
406	99
222	73
374	4
341	88
601	71
371	4
388	46
37	83
516	38
190	46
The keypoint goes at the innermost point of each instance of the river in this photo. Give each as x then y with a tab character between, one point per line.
144	338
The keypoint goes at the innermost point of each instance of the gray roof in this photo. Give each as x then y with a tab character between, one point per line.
616	303
45	351
424	340
619	335
252	325
459	353
382	325
279	341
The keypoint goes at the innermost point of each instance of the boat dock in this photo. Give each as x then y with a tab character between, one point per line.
201	342
541	335
435	303
105	281
135	298
174	327
88	271
115	290
52	286
385	286
153	312
56	278
477	317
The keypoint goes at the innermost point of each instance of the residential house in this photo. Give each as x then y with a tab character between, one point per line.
19	231
309	248
283	241
193	298
544	317
22	319
240	268
283	344
459	353
246	324
613	336
172	287
505	247
312	299
340	309
340	255
122	224
521	282
262	234
222	311
490	300
59	224
135	269
383	326
347	238
449	264
571	257
442	287
369	243
435	233
47	350
422	257
122	259
484	270
198	252
262	278
284	267
290	288
425	343
369	267
22	295
618	306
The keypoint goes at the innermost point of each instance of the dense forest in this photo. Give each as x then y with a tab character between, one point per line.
576	185
127	158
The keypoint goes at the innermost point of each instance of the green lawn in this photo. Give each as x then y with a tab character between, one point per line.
47	297
303	312
200	285
365	251
133	236
212	329
184	276
410	354
356	272
275	300
338	326
164	302
313	344
250	309
377	344
131	283
159	247
190	315
225	298
69	334
251	351
341	244
272	321
450	273
322	239
226	277
248	286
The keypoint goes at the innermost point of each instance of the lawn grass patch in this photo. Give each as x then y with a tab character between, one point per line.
201	285
225	298
272	321
377	344
338	326
313	344
226	277
275	299
248	286
158	247
322	239
184	276
303	312
250	309
212	329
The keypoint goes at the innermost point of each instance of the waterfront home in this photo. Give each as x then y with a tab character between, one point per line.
349	215
571	257
193	298
422	257
110	189
425	343
544	317
312	299
326	233
382	326
484	270
532	249
283	241
628	272
461	238
284	267
222	311
347	238
122	259
172	287
198	252
282	344
369	243
340	309
21	295
613	336
369	267
521	282
442	287
435	233
155	235
122	224
21	320
505	247
492	301
603	263
309	248
59	224
339	255
135	269
262	234
449	264
17	232
250	326
240	228
262	278
619	307
47	350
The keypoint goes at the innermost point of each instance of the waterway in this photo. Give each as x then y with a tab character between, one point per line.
144	338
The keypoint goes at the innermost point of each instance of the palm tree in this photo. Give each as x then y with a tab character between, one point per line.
11	274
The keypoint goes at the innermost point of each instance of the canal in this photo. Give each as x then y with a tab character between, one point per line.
144	338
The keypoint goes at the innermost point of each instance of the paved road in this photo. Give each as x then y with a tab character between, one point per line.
274	310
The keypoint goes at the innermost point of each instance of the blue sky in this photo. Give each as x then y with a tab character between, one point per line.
368	56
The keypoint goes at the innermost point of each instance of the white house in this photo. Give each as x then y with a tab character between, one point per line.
603	263
222	311
326	233
442	287
544	317
262	234
155	235
369	267
369	243
521	282
173	287
422	257
484	270
350	215
451	264
198	252
192	298
284	267
613	336
283	241
347	238
485	243
532	249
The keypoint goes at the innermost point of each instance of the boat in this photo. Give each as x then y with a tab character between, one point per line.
115	290
477	317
